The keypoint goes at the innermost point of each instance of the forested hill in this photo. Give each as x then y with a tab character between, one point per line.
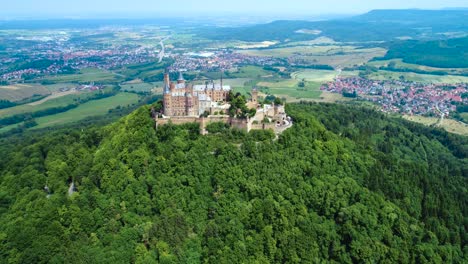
441	53
342	185
376	25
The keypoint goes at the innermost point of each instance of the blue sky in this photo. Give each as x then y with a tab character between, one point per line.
261	7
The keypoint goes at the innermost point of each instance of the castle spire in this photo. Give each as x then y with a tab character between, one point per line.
221	79
181	78
167	82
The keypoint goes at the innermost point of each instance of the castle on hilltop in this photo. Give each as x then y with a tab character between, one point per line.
209	103
183	99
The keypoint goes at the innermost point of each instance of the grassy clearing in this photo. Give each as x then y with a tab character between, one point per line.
465	117
399	64
18	92
341	61
256	45
85	75
321	76
415	77
140	87
298	94
333	55
299	50
280	84
57	102
58	86
253	72
92	108
290	88
315	75
449	125
317	41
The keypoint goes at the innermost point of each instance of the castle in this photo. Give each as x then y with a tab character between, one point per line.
183	99
208	103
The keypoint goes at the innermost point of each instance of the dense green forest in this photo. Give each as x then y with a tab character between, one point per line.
343	185
449	53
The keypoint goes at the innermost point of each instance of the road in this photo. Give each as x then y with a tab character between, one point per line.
163	49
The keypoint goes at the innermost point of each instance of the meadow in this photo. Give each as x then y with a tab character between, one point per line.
321	76
57	102
88	109
140	86
449	125
337	56
18	92
399	64
85	76
416	77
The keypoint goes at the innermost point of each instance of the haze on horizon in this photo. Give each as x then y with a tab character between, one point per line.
122	8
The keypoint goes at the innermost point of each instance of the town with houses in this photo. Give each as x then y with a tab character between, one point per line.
395	96
76	57
405	97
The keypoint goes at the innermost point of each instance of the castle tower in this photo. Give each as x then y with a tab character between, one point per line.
189	104
167	95
166	77
221	80
254	95
181	78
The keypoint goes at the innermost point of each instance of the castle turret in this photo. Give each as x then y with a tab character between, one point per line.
167	95
254	95
221	80
166	78
181	78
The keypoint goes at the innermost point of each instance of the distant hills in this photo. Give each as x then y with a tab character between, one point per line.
450	53
376	25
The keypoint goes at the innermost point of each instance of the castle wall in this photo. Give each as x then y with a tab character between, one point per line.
241	124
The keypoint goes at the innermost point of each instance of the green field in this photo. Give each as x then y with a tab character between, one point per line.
85	76
465	117
56	87
291	89
92	108
253	72
333	55
140	87
399	64
321	76
18	92
297	50
415	77
57	102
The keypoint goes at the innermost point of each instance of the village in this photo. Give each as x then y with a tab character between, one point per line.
405	97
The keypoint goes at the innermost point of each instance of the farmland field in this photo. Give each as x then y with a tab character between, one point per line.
399	64
140	86
298	50
250	72
92	108
18	92
333	55
56	102
424	78
290	88
85	75
58	86
321	76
